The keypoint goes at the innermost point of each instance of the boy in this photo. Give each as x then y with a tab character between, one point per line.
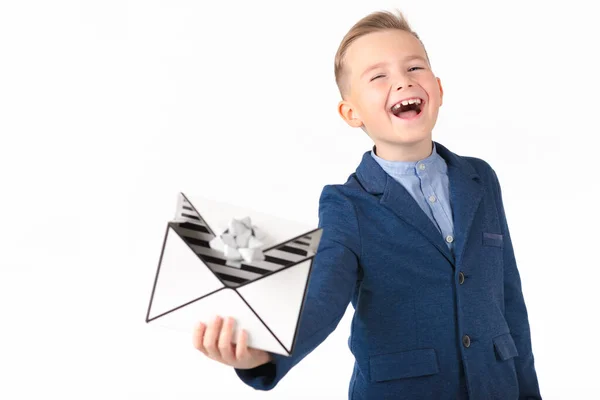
416	239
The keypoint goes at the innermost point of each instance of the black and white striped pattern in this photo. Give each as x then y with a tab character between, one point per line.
197	234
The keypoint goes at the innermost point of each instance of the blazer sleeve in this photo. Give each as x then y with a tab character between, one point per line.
516	311
330	287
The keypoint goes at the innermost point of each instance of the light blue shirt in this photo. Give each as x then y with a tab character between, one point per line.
427	182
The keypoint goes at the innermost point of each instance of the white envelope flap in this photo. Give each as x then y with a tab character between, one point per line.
277	299
225	302
181	277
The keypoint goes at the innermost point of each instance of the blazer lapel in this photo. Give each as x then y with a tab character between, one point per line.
399	200
465	197
466	193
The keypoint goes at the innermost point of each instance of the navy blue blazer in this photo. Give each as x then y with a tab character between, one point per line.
423	316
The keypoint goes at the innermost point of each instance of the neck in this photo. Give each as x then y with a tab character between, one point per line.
410	152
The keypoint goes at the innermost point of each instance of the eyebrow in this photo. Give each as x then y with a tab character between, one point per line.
383	64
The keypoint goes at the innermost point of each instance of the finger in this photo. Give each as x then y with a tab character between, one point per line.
225	345
241	349
198	337
211	336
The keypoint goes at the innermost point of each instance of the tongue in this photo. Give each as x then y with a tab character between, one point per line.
407	114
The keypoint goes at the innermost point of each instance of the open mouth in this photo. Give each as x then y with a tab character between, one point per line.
408	109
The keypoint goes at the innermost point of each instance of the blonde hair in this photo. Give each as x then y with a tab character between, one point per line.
374	22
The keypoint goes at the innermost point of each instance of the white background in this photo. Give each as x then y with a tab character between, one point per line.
109	108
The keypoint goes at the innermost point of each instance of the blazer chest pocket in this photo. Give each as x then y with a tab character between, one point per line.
405	364
493	239
504	346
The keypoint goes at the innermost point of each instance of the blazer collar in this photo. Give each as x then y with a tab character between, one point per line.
373	178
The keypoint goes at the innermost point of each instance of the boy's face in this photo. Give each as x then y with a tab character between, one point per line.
382	69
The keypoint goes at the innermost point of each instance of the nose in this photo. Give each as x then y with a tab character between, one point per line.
401	86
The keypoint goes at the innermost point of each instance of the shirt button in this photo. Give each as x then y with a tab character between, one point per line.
432	198
422	166
466	341
449	239
461	278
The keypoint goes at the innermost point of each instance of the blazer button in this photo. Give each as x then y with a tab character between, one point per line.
461	278
466	341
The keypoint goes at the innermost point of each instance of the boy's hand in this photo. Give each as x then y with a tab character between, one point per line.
214	341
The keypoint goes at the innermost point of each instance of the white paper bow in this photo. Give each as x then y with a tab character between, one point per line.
241	241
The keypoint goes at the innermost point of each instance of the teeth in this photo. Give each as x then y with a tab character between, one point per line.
397	106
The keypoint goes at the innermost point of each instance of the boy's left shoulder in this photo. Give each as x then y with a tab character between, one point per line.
480	165
468	164
484	170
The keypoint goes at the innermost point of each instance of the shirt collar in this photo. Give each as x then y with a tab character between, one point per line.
433	162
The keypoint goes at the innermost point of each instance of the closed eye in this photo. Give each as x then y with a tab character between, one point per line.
381	75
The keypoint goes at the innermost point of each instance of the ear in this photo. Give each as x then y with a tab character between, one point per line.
441	91
349	114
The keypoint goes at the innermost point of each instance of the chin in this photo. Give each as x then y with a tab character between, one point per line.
411	135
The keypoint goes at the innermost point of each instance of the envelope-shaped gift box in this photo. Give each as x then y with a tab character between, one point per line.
221	259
